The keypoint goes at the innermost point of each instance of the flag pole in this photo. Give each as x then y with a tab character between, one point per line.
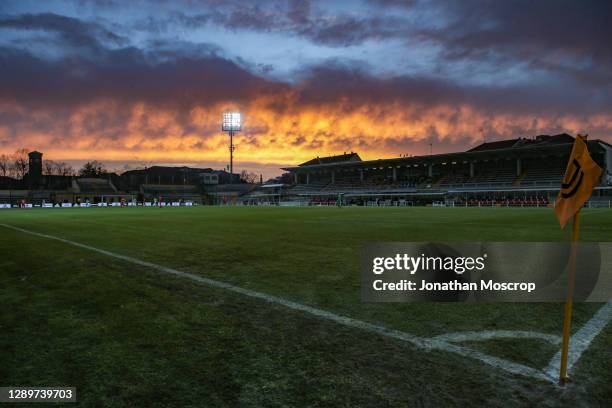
567	321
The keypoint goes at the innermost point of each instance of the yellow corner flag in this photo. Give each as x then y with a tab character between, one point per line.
581	176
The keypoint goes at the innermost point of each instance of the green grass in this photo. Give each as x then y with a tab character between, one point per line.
126	336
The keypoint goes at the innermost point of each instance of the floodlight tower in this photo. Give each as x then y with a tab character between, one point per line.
231	124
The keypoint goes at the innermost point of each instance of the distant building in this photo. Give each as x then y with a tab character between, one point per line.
163	175
33	178
156	183
209	178
35	164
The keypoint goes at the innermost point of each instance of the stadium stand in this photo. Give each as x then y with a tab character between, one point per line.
169	192
517	172
94	185
538	172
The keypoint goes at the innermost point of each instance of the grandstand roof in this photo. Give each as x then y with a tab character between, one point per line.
539	146
539	140
167	169
555	139
340	158
500	144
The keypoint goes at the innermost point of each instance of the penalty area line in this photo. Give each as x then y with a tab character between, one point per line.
419	342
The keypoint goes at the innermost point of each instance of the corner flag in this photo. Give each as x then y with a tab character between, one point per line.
581	175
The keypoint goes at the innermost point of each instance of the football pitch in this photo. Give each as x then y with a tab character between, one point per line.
260	306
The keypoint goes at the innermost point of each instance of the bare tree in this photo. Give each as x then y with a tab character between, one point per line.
92	169
5	165
63	169
248	177
20	163
50	167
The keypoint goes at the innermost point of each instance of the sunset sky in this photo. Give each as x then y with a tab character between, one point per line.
135	83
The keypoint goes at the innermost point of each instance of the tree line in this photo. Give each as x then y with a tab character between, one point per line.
16	165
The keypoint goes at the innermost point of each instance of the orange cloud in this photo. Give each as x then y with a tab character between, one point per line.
141	132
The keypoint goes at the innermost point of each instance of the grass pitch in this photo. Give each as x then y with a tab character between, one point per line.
124	335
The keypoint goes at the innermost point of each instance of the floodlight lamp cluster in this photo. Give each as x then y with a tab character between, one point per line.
231	122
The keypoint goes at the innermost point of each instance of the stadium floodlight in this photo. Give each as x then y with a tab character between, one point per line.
231	123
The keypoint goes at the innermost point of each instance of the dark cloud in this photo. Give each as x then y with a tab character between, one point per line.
557	40
128	75
567	37
334	83
394	3
348	30
183	80
299	11
72	31
298	18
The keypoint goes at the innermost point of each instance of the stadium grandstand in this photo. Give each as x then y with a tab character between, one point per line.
517	172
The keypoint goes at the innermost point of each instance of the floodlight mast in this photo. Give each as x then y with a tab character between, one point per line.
231	123
231	150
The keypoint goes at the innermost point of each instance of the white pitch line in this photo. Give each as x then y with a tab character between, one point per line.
497	334
581	340
423	343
